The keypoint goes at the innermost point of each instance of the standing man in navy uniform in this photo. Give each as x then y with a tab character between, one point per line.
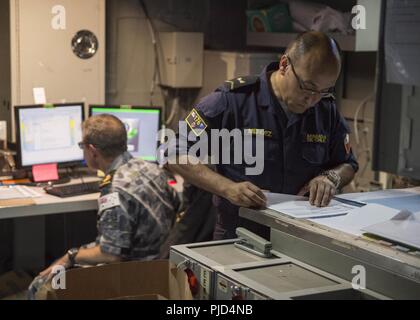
306	140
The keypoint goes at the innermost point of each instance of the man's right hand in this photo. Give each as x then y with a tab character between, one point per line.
246	194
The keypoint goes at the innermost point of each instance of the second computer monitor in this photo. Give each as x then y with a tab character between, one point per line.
142	124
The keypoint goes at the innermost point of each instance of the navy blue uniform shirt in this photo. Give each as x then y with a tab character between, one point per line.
297	147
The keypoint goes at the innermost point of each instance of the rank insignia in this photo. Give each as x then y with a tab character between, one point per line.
107	180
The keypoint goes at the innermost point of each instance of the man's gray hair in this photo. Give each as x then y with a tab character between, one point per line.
107	133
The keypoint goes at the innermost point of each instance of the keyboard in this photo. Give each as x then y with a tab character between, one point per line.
73	190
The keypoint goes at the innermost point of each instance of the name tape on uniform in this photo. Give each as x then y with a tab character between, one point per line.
260	132
316	138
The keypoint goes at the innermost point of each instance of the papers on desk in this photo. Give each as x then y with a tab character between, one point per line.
387	213
358	219
276	198
404	228
378	196
299	207
398	226
17	192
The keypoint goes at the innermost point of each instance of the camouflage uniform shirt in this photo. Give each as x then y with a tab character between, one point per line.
137	209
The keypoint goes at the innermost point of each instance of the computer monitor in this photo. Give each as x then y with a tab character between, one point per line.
142	123
49	134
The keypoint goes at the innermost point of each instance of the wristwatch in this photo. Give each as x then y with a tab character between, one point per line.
71	254
333	176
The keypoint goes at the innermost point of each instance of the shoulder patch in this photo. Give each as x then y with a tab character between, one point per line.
347	144
109	201
242	82
196	122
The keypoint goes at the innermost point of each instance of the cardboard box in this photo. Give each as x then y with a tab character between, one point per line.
273	19
13	285
152	280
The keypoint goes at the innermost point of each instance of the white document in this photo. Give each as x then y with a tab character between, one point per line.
3	130
299	207
359	218
40	96
390	194
275	198
404	228
17	192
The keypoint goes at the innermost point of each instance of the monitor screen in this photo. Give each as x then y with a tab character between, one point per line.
49	134
143	125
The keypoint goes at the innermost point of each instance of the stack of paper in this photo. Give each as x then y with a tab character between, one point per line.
387	214
17	192
358	219
404	228
300	207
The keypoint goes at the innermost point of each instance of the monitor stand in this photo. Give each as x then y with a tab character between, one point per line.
62	179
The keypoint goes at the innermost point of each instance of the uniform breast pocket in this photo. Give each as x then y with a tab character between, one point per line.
261	148
316	154
271	149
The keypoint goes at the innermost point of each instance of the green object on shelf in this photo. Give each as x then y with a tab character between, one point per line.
272	19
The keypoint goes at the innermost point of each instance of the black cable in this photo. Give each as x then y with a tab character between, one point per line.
69	172
157	70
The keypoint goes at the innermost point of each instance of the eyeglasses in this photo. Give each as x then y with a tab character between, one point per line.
328	93
82	144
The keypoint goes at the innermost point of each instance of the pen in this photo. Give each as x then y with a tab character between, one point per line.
345	201
350	202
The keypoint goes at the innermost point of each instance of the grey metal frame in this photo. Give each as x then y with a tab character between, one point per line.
184	255
389	272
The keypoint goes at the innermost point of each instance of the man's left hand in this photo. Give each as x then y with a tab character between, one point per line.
64	261
321	191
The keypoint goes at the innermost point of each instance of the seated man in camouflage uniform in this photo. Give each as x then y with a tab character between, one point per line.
137	207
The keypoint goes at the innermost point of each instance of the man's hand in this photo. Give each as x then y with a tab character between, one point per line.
321	191
245	194
63	261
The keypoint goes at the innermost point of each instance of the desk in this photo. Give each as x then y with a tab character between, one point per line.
29	224
48	204
388	271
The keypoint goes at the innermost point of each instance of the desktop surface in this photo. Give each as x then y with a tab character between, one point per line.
47	204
